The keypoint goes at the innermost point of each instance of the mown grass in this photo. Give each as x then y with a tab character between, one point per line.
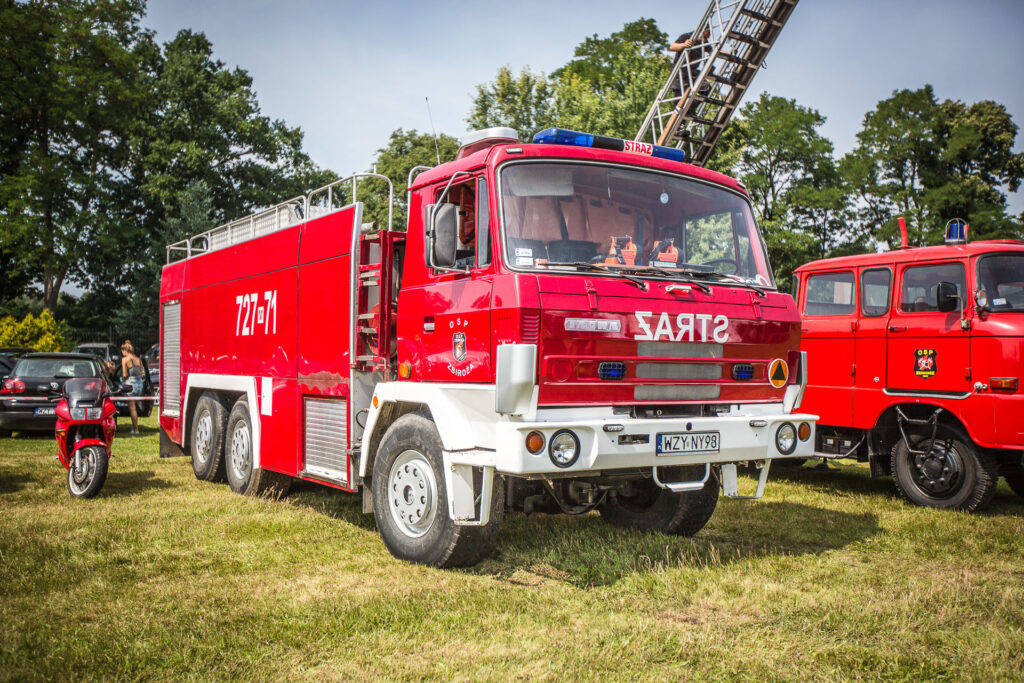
830	576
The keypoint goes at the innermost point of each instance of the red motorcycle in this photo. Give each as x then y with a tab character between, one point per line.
86	423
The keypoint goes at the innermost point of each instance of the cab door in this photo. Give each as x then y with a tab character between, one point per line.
875	285
928	351
829	308
453	308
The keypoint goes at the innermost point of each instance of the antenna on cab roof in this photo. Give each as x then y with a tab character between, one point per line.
437	150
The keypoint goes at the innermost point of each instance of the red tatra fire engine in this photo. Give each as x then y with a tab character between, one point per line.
914	358
575	324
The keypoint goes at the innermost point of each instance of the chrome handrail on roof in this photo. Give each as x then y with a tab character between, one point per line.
277	217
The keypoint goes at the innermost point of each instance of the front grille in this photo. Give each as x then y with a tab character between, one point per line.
678	371
655	349
676	392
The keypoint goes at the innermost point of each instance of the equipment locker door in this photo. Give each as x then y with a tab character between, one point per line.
928	352
829	320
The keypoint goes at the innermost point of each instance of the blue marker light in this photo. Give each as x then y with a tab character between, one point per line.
611	370
561	136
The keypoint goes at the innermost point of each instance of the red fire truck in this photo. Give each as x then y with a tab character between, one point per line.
914	360
574	324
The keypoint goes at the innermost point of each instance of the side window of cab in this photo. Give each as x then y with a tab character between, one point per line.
918	293
829	294
474	246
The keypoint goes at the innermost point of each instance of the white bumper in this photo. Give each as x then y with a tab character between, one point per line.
741	437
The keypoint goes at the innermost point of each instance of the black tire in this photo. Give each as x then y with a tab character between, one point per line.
209	424
145	409
87	481
5	433
432	538
956	475
238	459
652	508
1014	476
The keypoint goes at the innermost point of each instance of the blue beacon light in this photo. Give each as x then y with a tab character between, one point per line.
561	136
956	231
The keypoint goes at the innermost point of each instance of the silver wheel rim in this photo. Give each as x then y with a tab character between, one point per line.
204	437
412	493
79	478
240	451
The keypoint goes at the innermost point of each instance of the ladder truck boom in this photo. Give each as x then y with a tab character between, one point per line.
690	112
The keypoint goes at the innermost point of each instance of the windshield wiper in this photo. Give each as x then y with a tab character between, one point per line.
580	265
675	276
725	280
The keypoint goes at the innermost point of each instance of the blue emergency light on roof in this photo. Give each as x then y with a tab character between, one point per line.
956	231
561	136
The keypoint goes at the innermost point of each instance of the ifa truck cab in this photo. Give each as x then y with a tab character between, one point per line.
914	360
574	324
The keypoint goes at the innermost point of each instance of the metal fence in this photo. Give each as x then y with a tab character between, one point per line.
141	338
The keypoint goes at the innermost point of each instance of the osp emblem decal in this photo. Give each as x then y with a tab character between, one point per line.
459	346
925	363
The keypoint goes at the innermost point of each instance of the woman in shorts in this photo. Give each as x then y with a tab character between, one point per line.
131	369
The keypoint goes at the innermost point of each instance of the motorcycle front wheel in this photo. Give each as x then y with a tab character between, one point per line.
86	479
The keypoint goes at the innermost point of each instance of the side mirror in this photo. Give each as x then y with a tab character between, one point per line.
442	228
122	389
946	297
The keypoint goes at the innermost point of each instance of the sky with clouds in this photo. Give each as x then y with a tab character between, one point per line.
349	73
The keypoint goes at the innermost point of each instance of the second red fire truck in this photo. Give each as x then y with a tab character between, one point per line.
915	358
575	324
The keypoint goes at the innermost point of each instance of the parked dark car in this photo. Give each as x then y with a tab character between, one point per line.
152	358
102	351
16	351
7	363
25	393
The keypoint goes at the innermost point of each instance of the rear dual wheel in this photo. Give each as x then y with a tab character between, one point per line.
243	477
207	442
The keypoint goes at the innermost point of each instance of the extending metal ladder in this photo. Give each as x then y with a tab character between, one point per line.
741	32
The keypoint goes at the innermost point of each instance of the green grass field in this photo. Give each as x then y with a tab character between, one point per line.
830	576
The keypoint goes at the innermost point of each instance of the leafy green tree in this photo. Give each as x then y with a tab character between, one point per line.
931	161
524	102
72	83
405	150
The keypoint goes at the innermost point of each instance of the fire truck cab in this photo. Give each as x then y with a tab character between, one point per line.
914	361
574	324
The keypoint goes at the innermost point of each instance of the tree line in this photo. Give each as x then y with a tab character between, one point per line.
114	145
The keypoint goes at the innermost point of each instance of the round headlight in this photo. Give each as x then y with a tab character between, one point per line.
564	448
785	438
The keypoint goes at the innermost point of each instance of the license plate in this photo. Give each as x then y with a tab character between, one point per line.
45	411
688	443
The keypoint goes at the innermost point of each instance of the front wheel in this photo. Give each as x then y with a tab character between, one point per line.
410	502
86	478
949	473
645	506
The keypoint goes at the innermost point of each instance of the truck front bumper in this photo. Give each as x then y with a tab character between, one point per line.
618	442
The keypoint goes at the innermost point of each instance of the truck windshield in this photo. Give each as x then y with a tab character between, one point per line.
1001	276
565	215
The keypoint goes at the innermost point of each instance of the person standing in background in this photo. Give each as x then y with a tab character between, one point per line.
131	369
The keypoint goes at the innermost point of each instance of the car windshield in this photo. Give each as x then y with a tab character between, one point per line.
559	215
56	367
1001	276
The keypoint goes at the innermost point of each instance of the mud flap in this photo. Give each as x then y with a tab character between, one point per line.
730	482
462	496
169	449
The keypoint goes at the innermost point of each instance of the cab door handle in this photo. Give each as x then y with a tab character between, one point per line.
894	328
